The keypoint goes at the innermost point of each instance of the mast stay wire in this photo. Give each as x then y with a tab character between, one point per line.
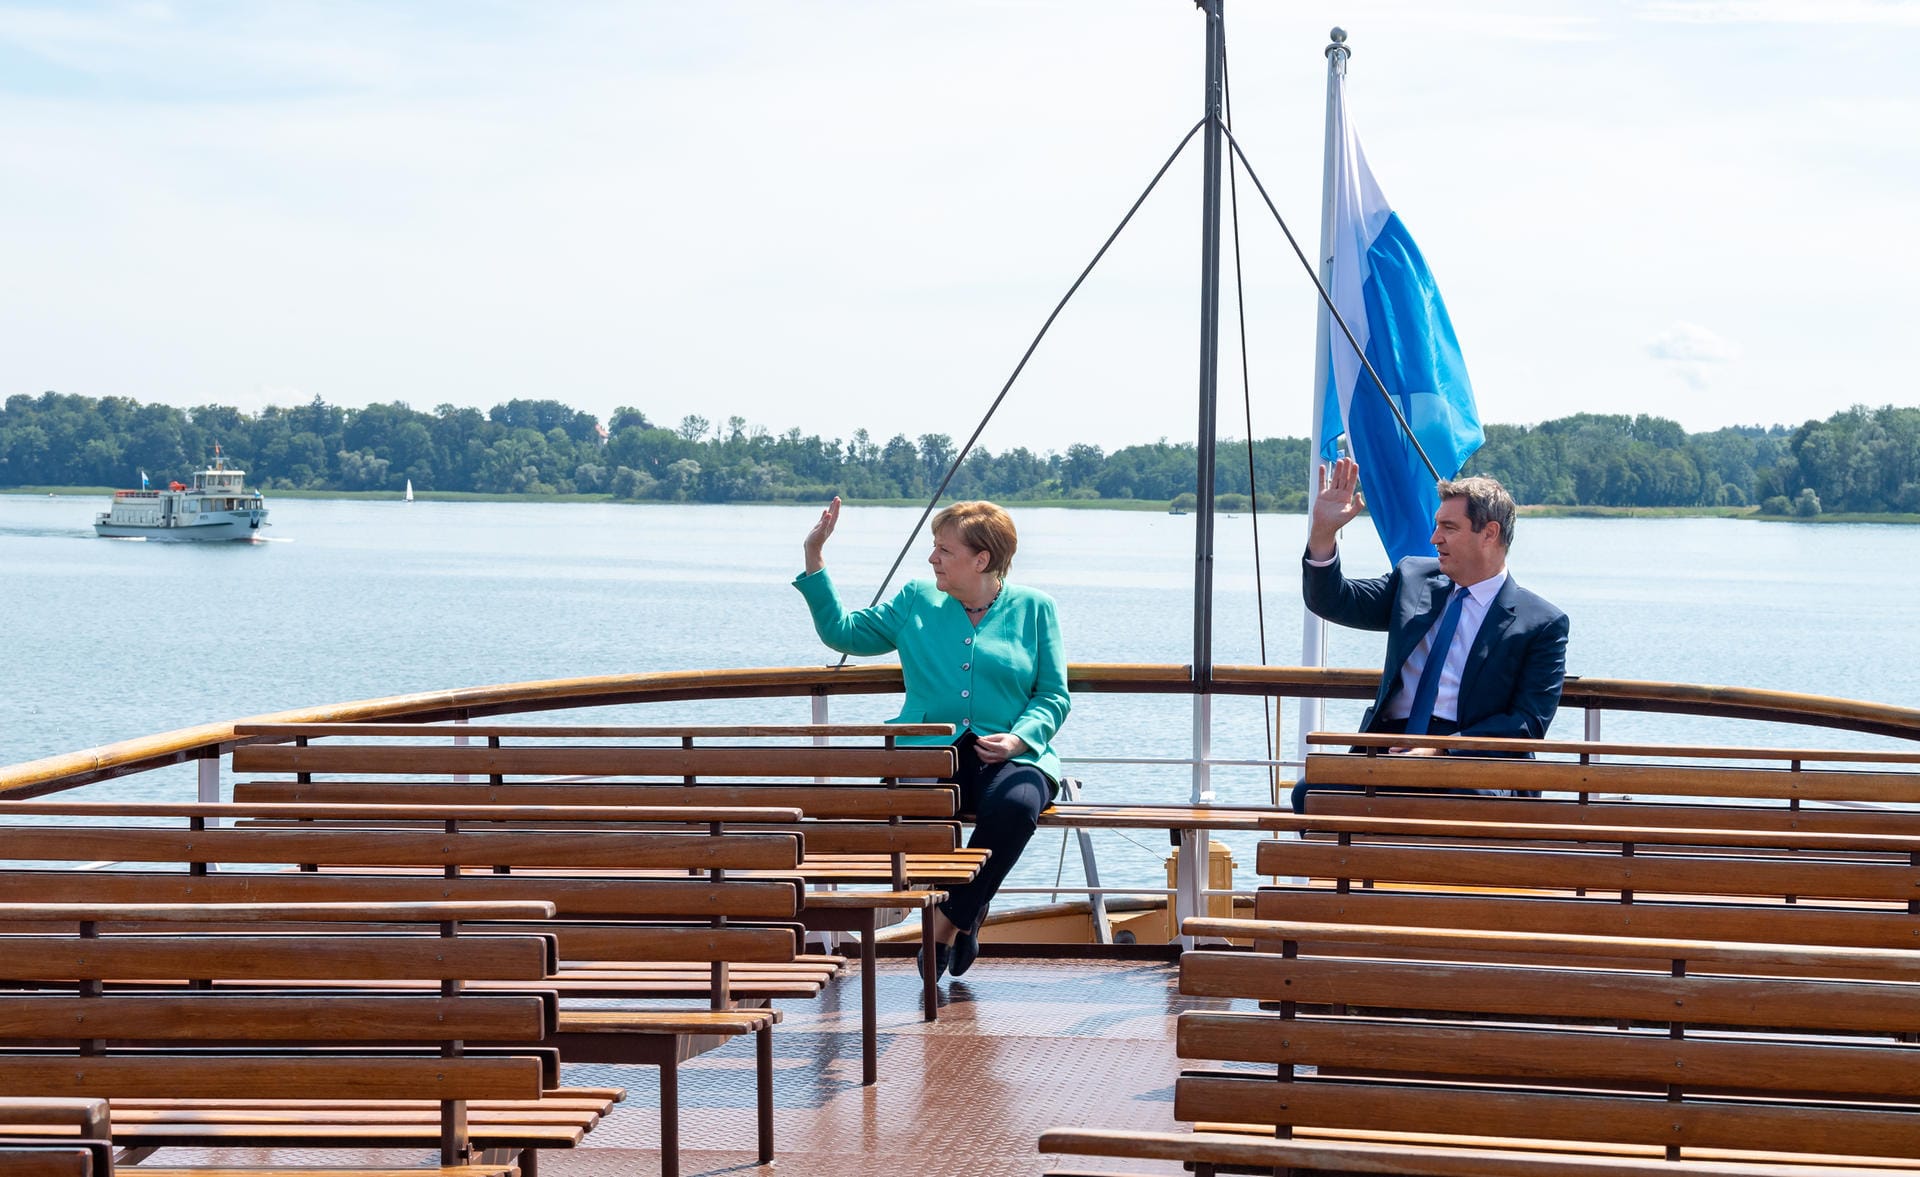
1268	705
966	449
1333	311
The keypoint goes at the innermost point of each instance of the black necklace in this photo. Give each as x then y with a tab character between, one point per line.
973	612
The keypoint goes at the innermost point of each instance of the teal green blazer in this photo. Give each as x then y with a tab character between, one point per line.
1007	675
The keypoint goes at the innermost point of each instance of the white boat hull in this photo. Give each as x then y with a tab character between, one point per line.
210	530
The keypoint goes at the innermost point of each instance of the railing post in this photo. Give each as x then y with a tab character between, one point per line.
460	742
210	778
1593	724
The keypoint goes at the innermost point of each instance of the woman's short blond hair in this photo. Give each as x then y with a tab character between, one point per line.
984	527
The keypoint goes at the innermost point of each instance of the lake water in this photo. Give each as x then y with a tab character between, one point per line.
102	640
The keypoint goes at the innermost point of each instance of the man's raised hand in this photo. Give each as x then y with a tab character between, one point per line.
1338	502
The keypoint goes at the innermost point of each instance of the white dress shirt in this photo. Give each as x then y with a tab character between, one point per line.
1446	705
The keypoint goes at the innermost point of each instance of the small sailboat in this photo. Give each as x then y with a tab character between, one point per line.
408	497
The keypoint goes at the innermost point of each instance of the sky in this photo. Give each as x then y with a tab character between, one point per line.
846	214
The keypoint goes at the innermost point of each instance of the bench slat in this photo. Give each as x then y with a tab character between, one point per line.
308	1076
1587	1057
234	957
1451	772
1655	814
1598	871
378	847
371	1019
845	800
1491	989
1652	1120
571	897
1398	1158
826	837
442	760
1771	923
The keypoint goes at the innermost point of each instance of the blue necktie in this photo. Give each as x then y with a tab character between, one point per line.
1428	689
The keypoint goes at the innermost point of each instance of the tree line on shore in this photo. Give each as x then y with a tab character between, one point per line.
1858	460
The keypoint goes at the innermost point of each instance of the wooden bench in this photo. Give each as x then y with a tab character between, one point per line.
1410	1061
875	817
630	938
96	1009
1646	783
69	1138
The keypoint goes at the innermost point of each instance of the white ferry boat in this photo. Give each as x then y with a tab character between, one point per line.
215	506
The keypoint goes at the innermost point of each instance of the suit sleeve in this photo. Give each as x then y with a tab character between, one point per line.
1536	688
868	631
1357	604
1047	709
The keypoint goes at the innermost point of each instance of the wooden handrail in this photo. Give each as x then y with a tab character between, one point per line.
289	731
68	770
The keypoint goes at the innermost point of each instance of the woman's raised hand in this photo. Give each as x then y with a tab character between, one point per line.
1336	505
816	540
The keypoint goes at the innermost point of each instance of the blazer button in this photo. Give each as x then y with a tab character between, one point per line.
966	666
967	641
964	694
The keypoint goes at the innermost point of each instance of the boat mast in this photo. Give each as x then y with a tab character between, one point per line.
1209	396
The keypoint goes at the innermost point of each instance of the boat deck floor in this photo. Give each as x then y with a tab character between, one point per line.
1022	1045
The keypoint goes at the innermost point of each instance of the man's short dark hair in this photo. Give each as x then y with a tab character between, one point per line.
1487	502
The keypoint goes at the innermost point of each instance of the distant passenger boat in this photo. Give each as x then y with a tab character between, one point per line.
216	506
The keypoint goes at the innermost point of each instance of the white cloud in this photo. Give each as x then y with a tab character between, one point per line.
1692	352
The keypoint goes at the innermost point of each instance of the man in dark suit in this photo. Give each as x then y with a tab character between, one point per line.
1502	651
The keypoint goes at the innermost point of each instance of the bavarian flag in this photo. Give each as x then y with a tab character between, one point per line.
1382	288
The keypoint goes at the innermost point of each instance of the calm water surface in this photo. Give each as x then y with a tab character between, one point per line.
103	639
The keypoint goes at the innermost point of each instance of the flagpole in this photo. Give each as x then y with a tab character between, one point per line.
1313	631
1202	791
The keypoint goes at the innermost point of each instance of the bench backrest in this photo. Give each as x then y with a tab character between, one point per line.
1660	1057
870	798
69	1034
601	912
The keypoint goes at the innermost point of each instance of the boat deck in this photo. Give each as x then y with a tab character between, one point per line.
1022	1044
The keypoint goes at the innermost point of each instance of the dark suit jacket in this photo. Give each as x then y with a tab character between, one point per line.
1511	684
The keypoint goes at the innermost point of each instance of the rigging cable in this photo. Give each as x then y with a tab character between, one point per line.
1268	704
1021	366
1334	311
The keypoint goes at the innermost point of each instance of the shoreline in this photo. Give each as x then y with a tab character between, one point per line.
1529	510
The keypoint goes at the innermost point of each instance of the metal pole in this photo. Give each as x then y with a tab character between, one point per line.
1209	390
1313	631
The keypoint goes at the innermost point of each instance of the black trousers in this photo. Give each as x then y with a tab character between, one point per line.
1004	802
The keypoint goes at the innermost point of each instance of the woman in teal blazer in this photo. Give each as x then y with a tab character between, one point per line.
982	655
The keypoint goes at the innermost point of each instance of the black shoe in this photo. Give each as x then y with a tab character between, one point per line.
941	953
966	946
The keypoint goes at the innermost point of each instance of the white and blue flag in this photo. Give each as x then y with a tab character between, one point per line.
1382	288
143	480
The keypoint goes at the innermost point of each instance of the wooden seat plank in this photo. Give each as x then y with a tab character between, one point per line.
437	760
871	799
268	1018
1370	1157
222	1077
1601	871
574	849
367	958
569	897
1839	1006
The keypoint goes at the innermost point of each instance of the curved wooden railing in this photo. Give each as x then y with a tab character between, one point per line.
66	771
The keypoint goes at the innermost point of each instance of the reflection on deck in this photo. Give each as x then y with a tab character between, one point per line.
1022	1045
